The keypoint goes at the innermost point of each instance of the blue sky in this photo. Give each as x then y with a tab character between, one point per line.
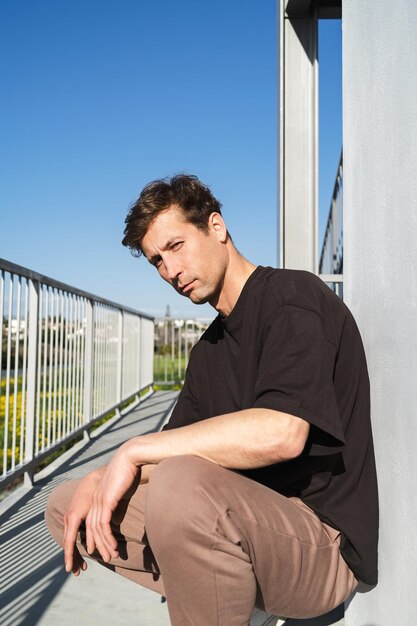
100	97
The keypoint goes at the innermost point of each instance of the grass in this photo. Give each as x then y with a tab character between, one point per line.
166	368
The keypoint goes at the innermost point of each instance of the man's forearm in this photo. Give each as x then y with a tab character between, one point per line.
243	440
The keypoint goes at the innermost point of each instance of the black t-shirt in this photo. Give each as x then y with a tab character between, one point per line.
292	345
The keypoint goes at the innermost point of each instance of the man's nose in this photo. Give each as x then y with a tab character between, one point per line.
173	268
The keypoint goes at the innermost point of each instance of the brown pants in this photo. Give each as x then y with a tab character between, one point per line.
223	543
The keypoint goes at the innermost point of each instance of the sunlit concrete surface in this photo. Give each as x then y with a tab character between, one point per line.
101	595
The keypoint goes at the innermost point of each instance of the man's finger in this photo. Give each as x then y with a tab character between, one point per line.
98	539
91	546
79	565
107	532
70	535
100	520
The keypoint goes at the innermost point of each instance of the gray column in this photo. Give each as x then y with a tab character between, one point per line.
380	270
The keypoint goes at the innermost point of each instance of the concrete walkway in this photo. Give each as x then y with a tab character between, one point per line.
35	589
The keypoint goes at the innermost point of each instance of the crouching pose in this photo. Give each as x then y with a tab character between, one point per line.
261	489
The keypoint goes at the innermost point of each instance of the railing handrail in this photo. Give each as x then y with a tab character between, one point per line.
331	278
13	268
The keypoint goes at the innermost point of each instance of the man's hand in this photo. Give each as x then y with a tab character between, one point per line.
119	479
76	513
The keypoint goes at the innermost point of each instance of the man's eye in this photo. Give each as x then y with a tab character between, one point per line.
177	245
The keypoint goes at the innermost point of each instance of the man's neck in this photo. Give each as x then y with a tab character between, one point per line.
238	271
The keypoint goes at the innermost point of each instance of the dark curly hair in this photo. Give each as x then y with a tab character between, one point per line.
184	191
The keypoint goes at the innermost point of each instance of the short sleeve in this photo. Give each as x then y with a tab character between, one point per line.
295	373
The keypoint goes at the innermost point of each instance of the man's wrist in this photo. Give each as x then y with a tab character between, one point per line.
133	451
96	474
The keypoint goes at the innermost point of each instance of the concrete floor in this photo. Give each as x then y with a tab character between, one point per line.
99	594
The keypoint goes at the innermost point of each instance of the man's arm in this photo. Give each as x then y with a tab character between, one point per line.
242	440
246	439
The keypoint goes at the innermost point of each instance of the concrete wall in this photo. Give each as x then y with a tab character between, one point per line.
380	269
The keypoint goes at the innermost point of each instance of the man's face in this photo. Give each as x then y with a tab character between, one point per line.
192	261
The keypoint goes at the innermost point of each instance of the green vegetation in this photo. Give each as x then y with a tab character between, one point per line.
167	369
53	412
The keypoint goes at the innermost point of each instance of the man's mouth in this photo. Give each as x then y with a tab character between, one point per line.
187	287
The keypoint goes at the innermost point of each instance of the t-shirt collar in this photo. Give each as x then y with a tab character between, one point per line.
233	319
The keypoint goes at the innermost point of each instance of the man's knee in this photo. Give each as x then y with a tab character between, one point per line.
184	465
177	497
178	477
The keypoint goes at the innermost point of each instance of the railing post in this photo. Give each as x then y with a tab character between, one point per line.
152	355
119	375
138	360
30	433
179	351
88	364
165	350
335	227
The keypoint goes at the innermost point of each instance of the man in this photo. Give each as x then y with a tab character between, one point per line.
261	489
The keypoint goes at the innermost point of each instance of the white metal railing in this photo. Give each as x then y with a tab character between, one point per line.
67	359
174	339
331	257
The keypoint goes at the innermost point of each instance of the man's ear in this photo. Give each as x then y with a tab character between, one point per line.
216	224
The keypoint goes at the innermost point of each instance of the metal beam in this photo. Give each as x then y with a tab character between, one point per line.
330	9
326	9
298	8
